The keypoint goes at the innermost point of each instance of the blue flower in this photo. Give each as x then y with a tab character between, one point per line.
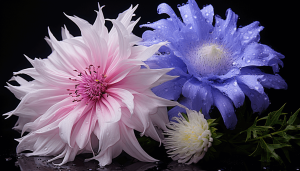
217	64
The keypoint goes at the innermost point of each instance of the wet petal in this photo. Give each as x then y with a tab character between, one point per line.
226	108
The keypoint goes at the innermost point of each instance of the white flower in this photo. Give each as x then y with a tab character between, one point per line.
188	141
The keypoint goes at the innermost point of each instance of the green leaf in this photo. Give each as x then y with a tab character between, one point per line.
216	142
291	127
256	130
269	149
210	121
293	118
284	123
286	153
273	117
257	151
185	116
218	135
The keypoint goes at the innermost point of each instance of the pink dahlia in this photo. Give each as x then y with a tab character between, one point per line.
90	94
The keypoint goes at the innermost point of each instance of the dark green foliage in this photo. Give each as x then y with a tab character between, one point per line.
265	136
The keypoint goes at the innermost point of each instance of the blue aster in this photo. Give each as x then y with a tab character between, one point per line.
217	64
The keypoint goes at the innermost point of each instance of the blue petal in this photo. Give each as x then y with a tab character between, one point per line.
252	82
163	31
250	33
273	81
267	80
208	13
224	29
165	8
231	89
259	101
200	94
150	38
167	61
170	90
259	55
226	108
188	18
175	110
200	23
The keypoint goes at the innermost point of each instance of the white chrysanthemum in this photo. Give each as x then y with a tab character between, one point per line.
188	141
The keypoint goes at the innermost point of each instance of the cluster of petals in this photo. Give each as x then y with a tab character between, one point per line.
218	65
91	93
188	141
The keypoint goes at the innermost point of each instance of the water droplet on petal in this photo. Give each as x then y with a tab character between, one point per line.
45	148
185	16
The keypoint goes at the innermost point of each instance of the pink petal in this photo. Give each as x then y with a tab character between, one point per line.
125	96
131	146
96	43
66	125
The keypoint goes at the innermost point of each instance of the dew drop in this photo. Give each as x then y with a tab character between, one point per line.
248	61
246	37
185	15
195	16
45	148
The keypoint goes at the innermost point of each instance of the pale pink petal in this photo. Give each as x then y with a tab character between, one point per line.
96	43
99	24
131	146
125	96
83	129
142	80
66	125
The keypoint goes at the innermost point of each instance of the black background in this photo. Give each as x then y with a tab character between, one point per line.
24	25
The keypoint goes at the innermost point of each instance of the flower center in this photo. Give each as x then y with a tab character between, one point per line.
91	85
212	59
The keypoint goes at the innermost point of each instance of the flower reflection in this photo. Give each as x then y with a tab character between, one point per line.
40	163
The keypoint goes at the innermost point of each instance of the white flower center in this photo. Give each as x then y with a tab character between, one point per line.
211	59
91	86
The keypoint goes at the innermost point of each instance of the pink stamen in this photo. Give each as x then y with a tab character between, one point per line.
91	86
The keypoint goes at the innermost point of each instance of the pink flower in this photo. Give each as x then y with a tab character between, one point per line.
90	94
